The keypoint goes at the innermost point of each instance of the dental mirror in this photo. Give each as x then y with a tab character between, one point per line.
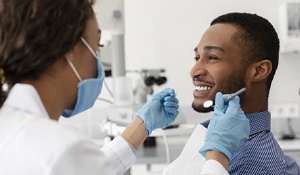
209	103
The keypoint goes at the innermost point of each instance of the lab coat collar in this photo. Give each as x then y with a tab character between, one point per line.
25	97
259	121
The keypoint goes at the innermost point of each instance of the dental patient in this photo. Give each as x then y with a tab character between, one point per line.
238	50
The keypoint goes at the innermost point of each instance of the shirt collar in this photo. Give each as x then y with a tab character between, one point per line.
25	97
259	121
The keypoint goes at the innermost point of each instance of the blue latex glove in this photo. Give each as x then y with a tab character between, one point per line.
228	127
160	110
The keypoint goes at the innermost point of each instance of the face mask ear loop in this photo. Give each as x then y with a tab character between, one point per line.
74	69
89	47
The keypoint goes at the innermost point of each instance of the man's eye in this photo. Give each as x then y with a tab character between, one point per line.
197	58
212	58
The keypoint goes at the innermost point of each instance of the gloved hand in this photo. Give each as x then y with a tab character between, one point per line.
159	111
228	127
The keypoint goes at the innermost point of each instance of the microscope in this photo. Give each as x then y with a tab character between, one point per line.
129	100
144	87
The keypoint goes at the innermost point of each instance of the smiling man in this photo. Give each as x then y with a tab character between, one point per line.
237	50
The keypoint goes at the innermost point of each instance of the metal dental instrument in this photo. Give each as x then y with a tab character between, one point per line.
209	103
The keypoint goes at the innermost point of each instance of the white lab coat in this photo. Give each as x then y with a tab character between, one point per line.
191	162
33	144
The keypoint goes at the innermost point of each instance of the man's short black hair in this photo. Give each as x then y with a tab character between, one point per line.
257	38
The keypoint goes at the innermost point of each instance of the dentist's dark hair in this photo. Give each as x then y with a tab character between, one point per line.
257	38
34	34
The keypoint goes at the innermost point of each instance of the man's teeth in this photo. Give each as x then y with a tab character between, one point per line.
202	88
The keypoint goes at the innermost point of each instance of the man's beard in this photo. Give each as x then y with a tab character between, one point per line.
234	83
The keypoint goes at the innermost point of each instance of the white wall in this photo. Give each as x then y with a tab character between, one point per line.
163	34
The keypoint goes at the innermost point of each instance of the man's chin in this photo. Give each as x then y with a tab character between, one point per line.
201	109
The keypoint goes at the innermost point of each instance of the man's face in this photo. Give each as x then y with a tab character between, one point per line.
218	66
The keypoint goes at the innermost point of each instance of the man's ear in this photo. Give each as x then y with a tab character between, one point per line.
260	70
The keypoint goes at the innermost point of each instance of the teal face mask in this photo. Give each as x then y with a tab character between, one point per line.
89	89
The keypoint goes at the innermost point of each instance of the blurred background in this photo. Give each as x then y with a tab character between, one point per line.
148	46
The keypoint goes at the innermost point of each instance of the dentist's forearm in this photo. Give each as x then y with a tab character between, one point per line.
136	132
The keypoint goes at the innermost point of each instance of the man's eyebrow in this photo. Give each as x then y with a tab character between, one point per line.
210	48
214	48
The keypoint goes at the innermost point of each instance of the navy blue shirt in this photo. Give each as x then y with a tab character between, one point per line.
260	154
